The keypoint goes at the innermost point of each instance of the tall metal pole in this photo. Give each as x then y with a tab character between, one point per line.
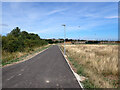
64	38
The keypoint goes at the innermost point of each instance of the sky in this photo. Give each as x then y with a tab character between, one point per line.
84	20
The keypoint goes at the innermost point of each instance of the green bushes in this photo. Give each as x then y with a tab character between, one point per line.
19	41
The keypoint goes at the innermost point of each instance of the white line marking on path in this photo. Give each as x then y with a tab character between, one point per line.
19	74
10	77
47	81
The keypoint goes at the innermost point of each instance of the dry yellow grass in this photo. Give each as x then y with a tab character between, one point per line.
100	62
7	56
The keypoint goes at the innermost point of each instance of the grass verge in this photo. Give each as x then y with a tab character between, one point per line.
11	58
79	69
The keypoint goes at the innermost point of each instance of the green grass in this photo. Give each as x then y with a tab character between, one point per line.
80	71
88	84
79	68
22	57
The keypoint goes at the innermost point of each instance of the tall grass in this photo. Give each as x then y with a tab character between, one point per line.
100	63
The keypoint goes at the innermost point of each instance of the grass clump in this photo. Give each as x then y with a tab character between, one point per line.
88	84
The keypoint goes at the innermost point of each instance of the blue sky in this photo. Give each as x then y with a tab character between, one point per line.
96	20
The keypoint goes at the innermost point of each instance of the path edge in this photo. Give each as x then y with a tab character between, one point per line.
26	59
71	69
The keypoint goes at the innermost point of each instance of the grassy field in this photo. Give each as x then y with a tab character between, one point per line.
9	58
98	63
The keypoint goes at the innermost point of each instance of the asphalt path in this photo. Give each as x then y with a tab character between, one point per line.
48	69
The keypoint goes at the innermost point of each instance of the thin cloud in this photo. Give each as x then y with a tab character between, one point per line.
56	11
111	17
5	25
46	19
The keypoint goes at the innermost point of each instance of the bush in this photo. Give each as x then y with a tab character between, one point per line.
18	41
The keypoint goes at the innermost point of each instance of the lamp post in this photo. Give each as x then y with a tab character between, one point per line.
64	38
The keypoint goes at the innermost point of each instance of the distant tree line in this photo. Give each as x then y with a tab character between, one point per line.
54	41
18	40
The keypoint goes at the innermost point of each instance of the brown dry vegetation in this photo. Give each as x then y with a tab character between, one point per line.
100	63
7	56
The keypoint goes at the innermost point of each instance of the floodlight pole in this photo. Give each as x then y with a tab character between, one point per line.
64	38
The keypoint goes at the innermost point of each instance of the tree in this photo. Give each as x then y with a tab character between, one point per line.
19	41
0	41
9	43
15	32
